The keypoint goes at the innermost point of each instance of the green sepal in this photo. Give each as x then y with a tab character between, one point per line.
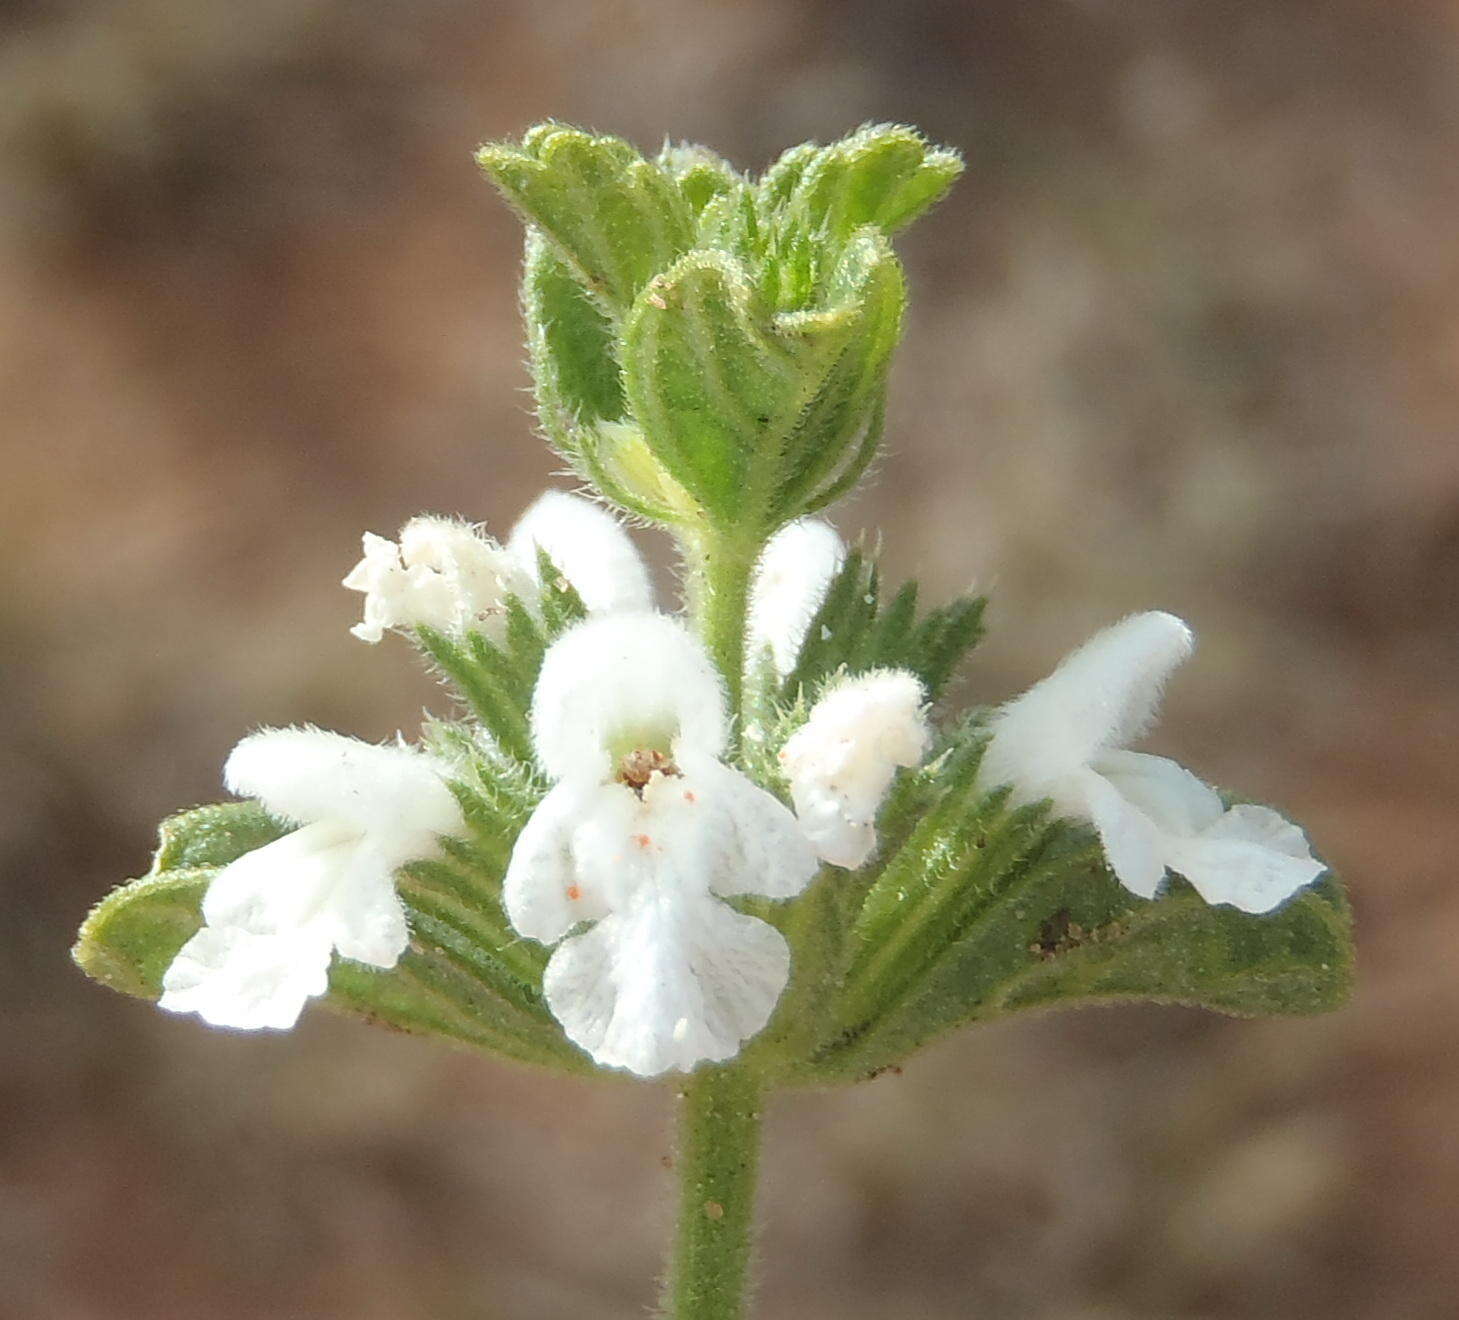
615	218
483	676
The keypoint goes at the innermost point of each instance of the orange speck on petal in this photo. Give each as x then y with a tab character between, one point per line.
689	796
574	893
642	840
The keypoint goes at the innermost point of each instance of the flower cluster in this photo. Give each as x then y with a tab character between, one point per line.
727	840
630	862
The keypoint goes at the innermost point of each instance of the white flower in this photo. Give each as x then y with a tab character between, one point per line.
840	763
275	915
448	575
444	574
792	577
1062	740
643	834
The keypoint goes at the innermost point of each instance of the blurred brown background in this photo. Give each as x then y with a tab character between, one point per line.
1187	336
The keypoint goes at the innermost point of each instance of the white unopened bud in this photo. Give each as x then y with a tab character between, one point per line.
840	763
589	547
794	572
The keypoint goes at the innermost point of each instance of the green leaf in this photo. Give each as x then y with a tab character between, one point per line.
817	928
701	174
730	221
131	937
838	433
883	174
214	835
779	183
579	391
615	218
1183	950
618	461
574	358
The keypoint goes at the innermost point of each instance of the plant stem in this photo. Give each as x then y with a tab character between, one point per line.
719	589
718	1151
718	1147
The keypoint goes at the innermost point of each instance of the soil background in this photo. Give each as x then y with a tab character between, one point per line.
1186	336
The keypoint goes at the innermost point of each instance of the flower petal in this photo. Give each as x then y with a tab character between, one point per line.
233	978
672	984
794	572
395	793
589	547
284	885
1132	844
620	681
1100	697
1249	876
1264	826
754	844
364	914
382	578
1252	858
1177	801
544	893
840	763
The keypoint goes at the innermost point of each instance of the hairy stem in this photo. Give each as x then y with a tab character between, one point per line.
719	595
718	1151
719	1106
